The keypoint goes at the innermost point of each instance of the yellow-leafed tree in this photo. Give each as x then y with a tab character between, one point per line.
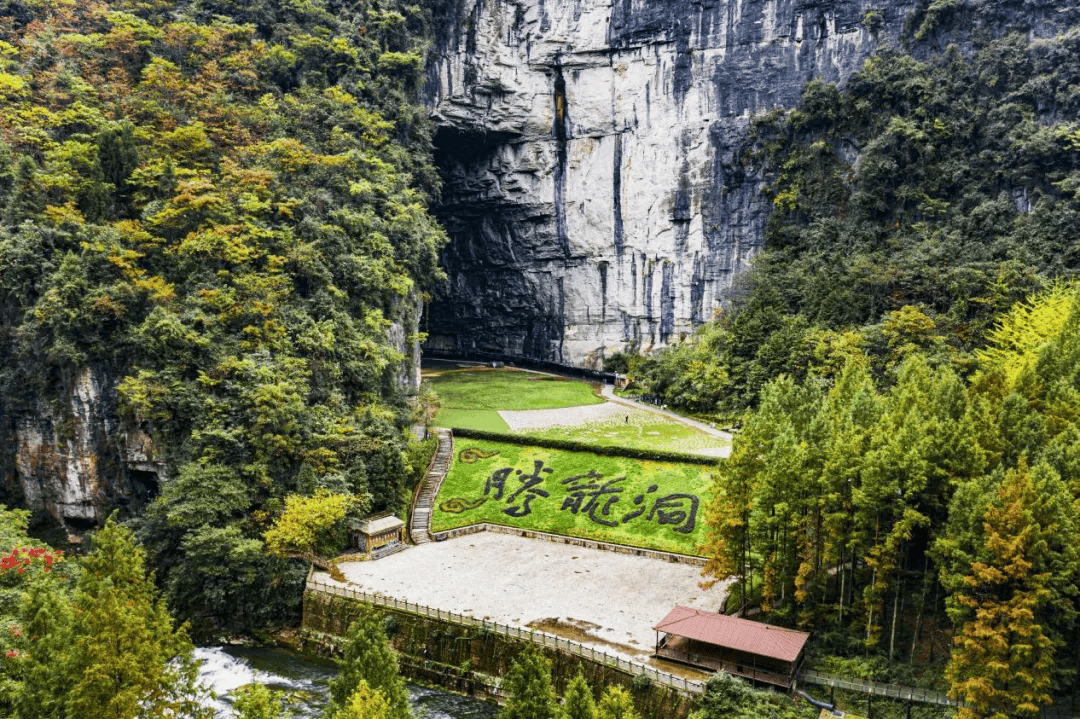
1002	662
310	527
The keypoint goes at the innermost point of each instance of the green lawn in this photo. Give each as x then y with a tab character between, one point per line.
487	419
643	430
640	509
472	397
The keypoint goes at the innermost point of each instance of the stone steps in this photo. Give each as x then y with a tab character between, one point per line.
420	524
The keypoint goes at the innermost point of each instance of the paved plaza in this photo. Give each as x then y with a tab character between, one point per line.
612	600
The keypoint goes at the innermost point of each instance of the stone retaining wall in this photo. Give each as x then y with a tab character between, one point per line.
471	659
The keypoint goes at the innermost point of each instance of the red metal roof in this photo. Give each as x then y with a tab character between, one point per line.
740	634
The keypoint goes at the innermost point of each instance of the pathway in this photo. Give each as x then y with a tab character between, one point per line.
608	393
420	516
881	689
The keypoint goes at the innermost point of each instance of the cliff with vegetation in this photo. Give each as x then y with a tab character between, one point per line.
213	247
598	194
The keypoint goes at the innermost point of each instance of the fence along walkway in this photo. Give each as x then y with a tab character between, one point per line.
420	516
808	676
541	638
892	691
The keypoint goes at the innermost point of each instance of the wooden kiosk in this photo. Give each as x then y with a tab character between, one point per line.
717	642
377	536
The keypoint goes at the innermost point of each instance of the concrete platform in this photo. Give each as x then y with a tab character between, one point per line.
606	600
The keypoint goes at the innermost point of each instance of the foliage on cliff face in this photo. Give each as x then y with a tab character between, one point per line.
909	340
225	205
943	188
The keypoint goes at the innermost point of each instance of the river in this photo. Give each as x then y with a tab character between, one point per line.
304	680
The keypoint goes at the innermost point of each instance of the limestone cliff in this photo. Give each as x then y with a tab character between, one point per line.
71	456
595	189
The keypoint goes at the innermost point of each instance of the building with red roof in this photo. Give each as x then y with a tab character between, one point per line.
717	642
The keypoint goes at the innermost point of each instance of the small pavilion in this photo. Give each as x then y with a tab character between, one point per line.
717	642
379	535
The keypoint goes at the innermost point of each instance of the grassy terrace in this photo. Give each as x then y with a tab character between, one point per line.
634	428
656	505
473	397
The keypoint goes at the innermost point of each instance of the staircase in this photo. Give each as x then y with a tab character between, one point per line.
420	517
387	549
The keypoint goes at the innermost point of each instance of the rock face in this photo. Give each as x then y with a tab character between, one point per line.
72	457
595	192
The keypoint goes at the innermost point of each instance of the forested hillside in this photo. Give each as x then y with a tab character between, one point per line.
905	360
910	209
224	206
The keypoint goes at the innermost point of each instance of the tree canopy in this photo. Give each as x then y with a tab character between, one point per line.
222	207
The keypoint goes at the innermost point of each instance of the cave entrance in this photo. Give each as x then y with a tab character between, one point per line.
453	146
145	485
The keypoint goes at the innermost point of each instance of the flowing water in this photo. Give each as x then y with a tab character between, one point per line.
303	680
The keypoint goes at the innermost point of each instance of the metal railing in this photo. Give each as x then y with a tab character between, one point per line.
540	638
891	691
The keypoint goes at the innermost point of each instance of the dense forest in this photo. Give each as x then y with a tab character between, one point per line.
904	362
225	205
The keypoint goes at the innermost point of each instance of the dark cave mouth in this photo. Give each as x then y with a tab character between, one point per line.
454	146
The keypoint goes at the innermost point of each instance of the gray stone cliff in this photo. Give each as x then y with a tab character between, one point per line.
595	192
72	457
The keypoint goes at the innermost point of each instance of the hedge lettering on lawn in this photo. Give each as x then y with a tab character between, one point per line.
636	502
585	494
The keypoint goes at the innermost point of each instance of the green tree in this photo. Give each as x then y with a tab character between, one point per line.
1020	334
257	701
366	703
727	697
616	703
311	526
369	659
1017	587
578	699
127	659
529	685
48	627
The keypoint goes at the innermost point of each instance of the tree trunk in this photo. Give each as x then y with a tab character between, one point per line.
895	616
922	606
843	587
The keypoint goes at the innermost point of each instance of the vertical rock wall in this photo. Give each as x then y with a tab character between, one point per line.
595	191
70	456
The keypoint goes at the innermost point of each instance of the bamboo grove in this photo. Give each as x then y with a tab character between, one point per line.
865	513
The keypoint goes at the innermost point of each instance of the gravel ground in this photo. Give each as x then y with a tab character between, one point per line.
515	581
562	417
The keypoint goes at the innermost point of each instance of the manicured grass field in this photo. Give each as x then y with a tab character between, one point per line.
635	428
472	397
487	419
657	505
